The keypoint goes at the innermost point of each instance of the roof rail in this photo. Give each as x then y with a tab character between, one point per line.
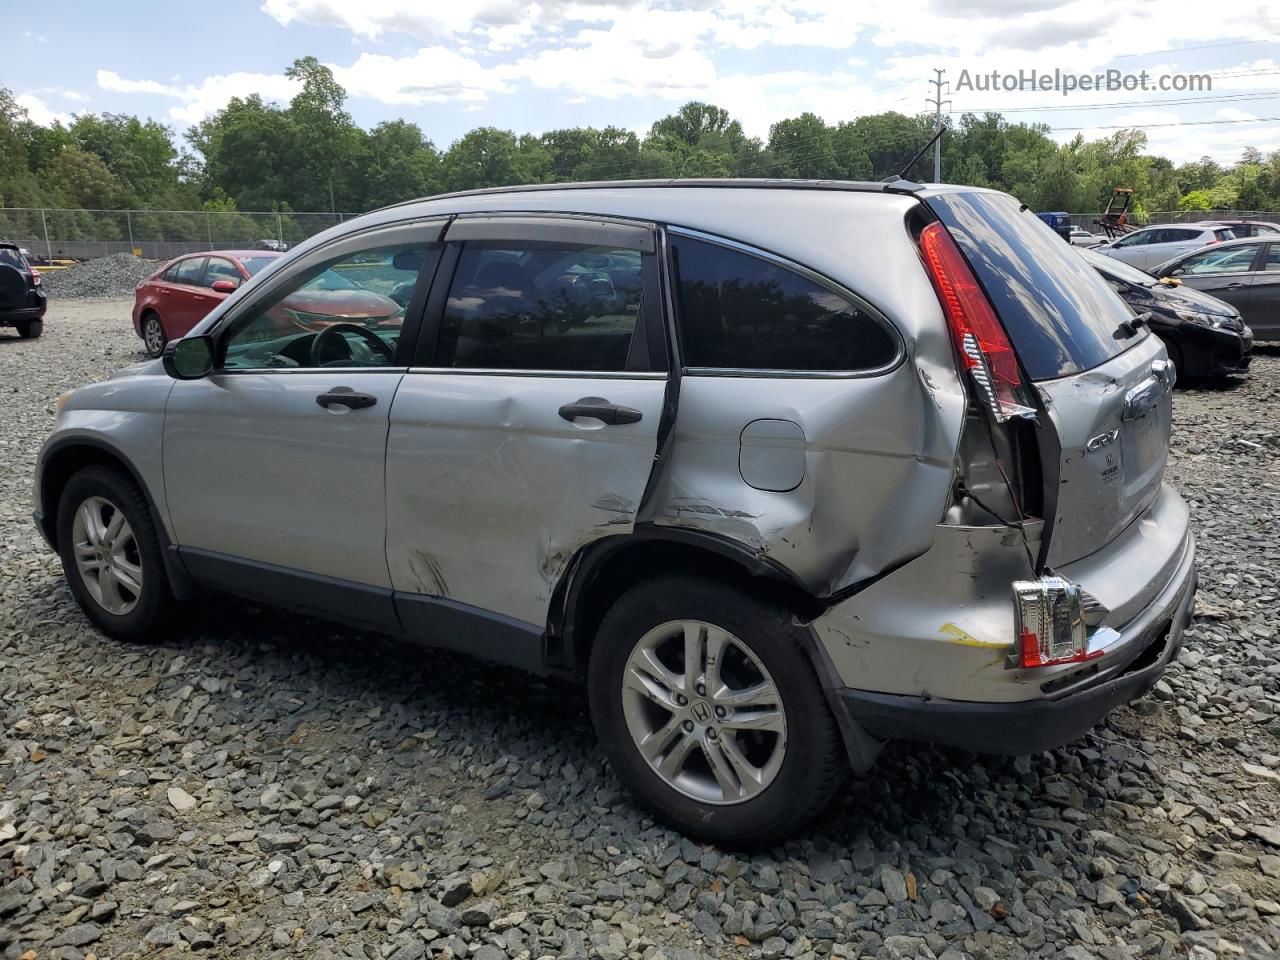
858	186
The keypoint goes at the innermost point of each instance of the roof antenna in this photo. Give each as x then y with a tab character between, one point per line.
894	177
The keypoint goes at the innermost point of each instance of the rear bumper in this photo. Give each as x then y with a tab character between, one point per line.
25	315
1151	642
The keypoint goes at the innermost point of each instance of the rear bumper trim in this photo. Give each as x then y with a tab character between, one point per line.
1026	726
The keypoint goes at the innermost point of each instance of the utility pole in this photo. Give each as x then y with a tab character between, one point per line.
938	104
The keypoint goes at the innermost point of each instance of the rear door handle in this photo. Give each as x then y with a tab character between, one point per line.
346	397
1235	284
601	409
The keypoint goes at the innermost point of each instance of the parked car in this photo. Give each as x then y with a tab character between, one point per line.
177	297
1205	336
1152	245
1250	228
1244	273
22	299
1081	237
822	465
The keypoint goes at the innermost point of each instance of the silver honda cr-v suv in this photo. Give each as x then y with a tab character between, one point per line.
782	469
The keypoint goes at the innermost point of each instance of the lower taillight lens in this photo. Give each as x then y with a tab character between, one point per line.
984	347
1049	622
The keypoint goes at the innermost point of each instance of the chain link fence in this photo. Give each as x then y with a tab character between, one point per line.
1089	221
51	234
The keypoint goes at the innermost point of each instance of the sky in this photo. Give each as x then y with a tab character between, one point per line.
453	65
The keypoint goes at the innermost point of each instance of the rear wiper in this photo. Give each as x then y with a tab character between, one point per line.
1129	328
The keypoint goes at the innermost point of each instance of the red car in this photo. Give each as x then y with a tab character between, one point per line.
173	300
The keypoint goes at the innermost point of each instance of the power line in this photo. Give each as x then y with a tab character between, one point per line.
1199	46
1152	126
1226	98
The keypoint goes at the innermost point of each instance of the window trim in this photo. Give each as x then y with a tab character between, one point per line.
808	273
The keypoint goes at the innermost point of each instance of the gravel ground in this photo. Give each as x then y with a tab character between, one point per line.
270	786
102	277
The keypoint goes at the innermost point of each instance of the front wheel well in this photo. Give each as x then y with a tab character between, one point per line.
603	571
64	463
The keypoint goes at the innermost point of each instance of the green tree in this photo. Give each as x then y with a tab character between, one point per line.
402	164
329	143
802	147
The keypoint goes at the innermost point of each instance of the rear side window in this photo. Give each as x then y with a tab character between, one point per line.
1059	313
540	306
1176	235
739	311
190	271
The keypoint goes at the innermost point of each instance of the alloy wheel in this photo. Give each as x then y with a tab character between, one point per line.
107	557
153	336
703	712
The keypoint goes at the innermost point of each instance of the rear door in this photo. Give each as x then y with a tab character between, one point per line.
1264	295
1105	393
1223	272
528	426
183	305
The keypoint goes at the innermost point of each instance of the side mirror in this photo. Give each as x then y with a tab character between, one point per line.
188	359
225	286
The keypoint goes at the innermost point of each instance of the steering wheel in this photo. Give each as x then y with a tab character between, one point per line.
325	340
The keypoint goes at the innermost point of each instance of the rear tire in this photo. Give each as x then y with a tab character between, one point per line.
742	775
153	335
118	579
30	329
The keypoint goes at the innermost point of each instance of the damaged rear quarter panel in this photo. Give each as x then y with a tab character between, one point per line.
879	450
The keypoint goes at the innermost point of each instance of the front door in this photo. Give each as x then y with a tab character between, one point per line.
1223	272
528	426
274	463
1264	296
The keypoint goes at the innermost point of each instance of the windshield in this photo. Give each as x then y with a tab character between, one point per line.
1061	315
254	264
1118	269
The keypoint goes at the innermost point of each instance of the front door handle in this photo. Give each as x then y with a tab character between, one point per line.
601	409
346	397
1234	285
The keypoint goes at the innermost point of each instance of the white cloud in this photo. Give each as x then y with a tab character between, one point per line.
39	113
210	95
432	75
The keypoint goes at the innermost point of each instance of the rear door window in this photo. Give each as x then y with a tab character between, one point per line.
190	271
517	305
1061	316
739	311
1272	262
171	275
1230	234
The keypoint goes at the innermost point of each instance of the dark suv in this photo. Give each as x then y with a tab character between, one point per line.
22	301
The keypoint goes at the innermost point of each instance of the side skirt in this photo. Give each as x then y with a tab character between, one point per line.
432	622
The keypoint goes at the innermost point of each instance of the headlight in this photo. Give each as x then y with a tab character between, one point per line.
1207	320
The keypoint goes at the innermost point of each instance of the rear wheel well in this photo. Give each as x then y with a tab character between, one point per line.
598	581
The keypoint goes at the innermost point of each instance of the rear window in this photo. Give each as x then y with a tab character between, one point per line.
1060	314
254	264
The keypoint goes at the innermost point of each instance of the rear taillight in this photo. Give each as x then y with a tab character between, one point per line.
1049	620
35	277
985	350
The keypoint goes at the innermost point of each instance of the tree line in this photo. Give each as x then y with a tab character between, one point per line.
310	155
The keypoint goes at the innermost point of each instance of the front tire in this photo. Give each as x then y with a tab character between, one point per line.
30	329
740	748
112	556
153	335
